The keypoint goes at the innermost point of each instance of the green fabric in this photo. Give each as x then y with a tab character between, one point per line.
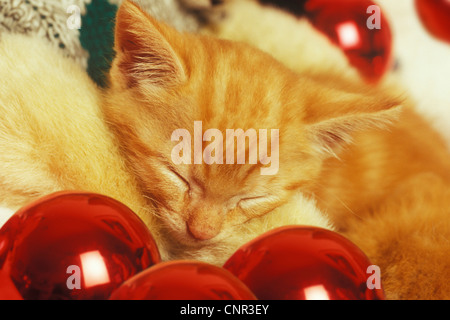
97	37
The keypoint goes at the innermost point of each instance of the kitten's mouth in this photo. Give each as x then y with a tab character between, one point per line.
188	240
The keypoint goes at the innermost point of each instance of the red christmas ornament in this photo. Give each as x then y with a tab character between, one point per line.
360	29
303	263
183	280
8	290
73	246
435	15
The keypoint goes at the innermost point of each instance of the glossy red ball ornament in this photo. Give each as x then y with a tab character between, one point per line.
73	246
352	25
183	280
303	263
435	15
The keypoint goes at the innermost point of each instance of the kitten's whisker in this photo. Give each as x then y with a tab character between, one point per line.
340	200
152	199
348	208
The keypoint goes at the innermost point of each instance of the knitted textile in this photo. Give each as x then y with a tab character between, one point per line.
46	19
92	45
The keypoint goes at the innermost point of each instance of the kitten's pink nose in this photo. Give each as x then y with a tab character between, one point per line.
202	229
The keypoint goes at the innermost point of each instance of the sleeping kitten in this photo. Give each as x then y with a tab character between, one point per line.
161	81
228	85
54	136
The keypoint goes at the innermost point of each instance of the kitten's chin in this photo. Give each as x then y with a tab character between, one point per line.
184	247
179	244
186	239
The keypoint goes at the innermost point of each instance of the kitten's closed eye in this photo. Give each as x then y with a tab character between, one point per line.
258	205
176	179
172	187
247	203
179	180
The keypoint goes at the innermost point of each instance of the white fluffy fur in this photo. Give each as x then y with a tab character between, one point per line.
289	39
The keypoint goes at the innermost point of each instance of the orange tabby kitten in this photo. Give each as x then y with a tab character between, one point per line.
54	136
163	81
388	191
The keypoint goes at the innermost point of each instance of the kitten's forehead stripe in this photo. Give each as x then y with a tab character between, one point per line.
207	93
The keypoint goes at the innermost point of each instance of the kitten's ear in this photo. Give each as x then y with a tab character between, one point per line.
329	134
144	54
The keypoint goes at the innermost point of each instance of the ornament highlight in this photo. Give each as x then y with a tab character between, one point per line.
360	29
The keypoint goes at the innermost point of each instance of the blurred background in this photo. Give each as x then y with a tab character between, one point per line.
424	62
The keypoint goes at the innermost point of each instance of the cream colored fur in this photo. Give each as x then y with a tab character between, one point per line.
291	40
52	134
